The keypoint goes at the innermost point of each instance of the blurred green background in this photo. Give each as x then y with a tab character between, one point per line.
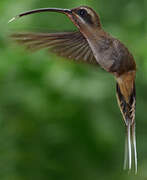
60	120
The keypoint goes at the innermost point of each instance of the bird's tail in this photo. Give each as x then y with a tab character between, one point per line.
130	148
126	97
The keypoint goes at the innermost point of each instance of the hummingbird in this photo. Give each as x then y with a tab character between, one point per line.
91	44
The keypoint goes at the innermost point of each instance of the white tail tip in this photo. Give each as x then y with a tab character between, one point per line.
130	149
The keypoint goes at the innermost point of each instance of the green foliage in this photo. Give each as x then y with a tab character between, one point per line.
60	120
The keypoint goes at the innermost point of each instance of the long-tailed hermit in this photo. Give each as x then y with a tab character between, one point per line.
93	45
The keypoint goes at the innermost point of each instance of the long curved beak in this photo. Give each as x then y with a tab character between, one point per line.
59	10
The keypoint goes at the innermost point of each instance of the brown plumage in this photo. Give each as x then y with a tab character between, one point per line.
93	45
71	45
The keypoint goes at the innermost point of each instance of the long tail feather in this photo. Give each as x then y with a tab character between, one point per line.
126	152
134	146
129	148
126	97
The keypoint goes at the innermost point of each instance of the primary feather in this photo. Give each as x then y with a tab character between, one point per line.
71	45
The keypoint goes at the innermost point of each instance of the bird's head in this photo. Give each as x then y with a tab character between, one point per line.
83	17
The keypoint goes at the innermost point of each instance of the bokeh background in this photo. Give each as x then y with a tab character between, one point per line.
60	120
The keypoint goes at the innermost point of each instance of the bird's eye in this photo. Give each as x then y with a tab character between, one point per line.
82	12
85	15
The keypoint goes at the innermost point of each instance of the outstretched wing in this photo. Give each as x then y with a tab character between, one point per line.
71	45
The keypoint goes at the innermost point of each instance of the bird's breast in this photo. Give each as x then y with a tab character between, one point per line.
112	55
102	49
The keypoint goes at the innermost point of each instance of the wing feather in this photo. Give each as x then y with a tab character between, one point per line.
72	45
